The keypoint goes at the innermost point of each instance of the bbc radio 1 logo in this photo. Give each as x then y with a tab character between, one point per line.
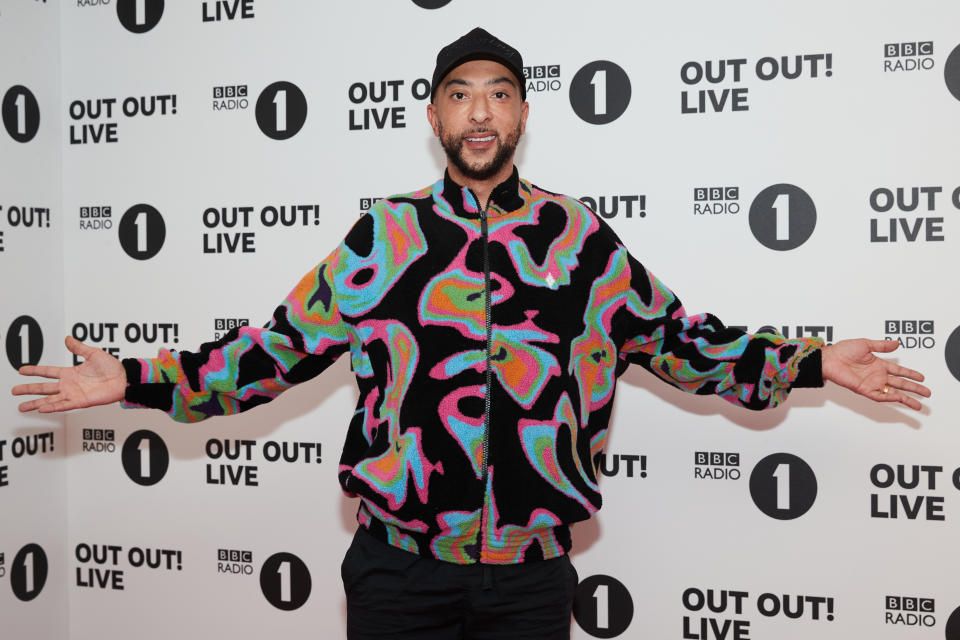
602	606
98	440
96	218
600	92
783	486
230	97
542	78
139	16
145	457
281	110
235	562
142	231
28	572
716	201
285	581
782	217
24	342
910	612
908	56
223	325
910	334
21	113
716	465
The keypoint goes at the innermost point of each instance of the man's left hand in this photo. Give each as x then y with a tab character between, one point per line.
851	364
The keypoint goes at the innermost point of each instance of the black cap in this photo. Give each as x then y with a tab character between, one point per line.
478	45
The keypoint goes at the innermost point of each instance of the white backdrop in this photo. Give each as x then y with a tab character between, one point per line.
827	163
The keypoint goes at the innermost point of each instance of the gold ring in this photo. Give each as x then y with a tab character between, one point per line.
886	389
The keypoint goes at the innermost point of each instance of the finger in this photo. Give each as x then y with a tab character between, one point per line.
897	370
36	388
77	347
61	405
36	404
912	387
893	395
883	346
44	371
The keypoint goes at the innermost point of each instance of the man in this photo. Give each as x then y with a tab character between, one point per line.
487	321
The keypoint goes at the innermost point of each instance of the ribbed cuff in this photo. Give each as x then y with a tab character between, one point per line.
810	371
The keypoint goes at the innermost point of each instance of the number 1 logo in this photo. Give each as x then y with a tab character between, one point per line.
782	217
285	581
600	92
281	110
602	606
21	113
28	574
145	457
783	486
139	16
142	232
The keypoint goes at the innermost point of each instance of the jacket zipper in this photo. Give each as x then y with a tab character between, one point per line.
484	231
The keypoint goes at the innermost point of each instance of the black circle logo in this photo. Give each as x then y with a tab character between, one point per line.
145	457
281	110
285	581
24	342
782	217
783	486
139	16
28	573
431	4
600	92
952	353
952	630
142	232
21	113
951	72
602	606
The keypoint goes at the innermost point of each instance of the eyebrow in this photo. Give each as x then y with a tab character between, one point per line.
491	81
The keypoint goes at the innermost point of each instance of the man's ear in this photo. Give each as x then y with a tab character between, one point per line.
523	117
433	119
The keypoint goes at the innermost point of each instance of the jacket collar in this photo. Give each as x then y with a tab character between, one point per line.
504	198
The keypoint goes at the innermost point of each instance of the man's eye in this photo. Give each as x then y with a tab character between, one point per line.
500	95
459	95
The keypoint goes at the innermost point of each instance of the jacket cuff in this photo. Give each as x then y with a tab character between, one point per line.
134	373
810	370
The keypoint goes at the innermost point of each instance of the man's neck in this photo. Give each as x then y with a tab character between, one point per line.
481	188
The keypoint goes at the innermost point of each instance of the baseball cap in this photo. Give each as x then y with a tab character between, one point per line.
478	45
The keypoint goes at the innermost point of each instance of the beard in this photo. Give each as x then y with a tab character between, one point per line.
453	147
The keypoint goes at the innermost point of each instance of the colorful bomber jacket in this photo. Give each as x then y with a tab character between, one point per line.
486	345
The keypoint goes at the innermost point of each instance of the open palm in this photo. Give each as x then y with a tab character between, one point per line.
99	379
851	364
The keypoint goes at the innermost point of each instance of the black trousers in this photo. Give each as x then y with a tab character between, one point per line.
392	593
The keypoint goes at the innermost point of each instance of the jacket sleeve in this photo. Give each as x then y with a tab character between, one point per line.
248	366
698	354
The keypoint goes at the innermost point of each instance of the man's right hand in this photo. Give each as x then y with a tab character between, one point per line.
99	379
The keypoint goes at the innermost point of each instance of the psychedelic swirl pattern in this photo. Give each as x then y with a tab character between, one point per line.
404	294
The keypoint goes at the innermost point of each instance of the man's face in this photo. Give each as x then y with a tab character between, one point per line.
479	115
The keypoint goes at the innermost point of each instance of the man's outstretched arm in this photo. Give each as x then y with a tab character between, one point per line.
99	379
248	366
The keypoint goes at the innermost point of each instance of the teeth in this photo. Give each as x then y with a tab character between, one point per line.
486	139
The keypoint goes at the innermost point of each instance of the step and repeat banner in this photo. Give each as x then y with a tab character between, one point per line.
34	555
171	169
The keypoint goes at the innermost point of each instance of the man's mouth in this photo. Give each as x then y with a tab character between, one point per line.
480	139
